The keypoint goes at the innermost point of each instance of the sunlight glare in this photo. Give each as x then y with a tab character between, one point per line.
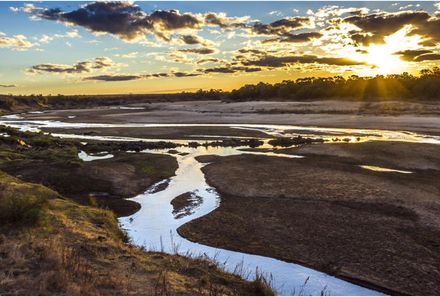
383	56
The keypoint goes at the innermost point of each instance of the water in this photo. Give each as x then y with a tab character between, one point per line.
87	158
328	134
154	225
383	169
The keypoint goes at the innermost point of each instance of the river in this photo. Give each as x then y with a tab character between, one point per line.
155	225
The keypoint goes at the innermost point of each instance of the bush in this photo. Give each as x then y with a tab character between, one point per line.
24	208
22	202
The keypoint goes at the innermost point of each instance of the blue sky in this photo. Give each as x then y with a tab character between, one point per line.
146	47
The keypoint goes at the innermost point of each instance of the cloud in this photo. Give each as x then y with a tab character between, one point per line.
221	20
185	74
27	7
7	86
129	77
282	61
178	74
123	19
209	60
331	11
194	39
375	27
295	38
230	69
80	67
113	77
129	22
418	55
16	41
281	26
200	51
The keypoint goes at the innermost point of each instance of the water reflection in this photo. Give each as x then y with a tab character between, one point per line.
155	225
91	157
383	169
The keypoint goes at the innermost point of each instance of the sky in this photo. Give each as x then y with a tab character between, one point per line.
166	47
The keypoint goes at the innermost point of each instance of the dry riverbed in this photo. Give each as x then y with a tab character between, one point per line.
394	115
380	229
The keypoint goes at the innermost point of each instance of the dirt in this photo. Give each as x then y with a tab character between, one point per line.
105	182
400	155
376	229
211	133
184	204
417	117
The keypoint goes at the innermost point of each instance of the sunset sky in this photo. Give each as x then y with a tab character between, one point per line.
153	47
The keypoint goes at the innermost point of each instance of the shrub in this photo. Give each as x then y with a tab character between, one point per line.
22	202
23	208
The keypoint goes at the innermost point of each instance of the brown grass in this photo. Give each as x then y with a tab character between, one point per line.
79	250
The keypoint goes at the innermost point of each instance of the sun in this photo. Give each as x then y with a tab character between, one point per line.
383	59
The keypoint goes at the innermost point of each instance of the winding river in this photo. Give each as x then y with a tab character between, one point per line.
154	225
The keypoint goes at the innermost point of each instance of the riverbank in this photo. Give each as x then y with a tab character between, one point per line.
51	245
55	163
377	229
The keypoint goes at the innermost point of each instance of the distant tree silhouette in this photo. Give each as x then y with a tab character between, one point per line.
396	86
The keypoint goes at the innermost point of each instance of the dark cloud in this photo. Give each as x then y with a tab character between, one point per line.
127	21
429	30
185	74
418	55
200	51
123	19
276	61
376	26
427	57
191	39
387	23
113	77
280	27
80	67
163	22
295	38
252	51
222	21
230	69
410	55
128	77
7	86
211	60
366	39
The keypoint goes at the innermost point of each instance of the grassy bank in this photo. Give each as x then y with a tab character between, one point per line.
51	245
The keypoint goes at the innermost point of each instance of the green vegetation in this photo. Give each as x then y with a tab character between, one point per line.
22	203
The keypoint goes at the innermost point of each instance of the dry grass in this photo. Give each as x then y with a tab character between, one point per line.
79	250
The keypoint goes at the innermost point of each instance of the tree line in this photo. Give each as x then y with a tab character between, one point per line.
425	86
